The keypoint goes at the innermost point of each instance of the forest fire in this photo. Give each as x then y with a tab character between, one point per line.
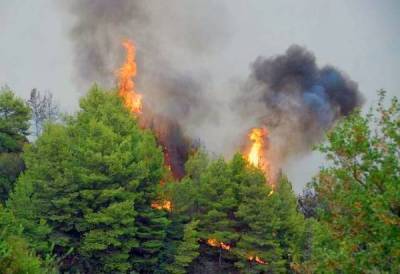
162	205
257	260
133	101
126	85
169	135
215	243
168	132
256	154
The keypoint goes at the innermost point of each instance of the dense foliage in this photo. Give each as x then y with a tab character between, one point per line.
15	254
14	125
359	195
239	218
90	200
95	176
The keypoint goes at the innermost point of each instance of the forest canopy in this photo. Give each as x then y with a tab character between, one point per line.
93	194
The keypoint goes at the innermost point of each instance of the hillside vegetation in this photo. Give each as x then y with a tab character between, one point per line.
92	194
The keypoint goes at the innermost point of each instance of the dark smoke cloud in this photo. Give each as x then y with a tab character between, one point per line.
171	38
98	27
297	100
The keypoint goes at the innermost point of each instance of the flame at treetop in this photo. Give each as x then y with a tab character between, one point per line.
256	154
126	85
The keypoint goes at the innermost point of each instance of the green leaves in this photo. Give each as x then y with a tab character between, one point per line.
90	184
14	121
187	250
15	253
14	125
360	193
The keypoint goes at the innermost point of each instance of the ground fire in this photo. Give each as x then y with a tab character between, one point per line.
215	243
164	204
256	259
218	244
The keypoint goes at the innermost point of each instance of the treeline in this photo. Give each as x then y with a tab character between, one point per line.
92	195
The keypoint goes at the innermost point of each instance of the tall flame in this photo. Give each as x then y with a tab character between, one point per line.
126	85
133	100
256	155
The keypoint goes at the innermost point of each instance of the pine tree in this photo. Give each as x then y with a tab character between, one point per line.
187	250
87	181
14	125
292	229
243	224
259	249
16	256
152	225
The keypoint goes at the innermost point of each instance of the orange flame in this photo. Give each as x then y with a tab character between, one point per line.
256	259
166	205
215	243
126	85
256	155
133	100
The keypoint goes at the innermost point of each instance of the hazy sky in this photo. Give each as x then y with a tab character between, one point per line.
361	37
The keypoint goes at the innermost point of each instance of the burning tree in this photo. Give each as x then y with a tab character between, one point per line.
93	185
126	85
241	226
256	154
168	132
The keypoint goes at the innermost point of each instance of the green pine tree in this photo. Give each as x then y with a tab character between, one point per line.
16	256
87	180
14	124
292	229
259	249
187	250
253	231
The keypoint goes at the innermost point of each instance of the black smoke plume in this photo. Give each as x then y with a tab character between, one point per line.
297	100
171	37
290	94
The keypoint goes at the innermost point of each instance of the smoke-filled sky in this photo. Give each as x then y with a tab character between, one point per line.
202	53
